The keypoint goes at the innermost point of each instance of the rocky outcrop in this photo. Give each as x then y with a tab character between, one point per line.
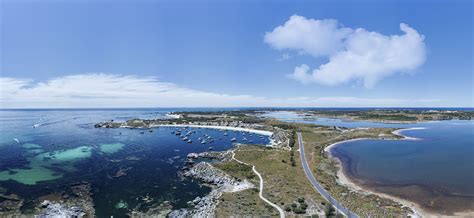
59	210
279	138
211	175
218	155
221	182
77	202
10	204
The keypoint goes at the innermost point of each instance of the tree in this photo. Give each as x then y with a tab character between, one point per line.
330	211
301	200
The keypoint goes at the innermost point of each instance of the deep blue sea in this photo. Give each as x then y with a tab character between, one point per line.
441	162
65	148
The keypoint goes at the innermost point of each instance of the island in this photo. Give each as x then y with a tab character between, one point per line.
285	184
294	174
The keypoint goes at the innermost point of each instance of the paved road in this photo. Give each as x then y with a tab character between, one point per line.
260	193
317	186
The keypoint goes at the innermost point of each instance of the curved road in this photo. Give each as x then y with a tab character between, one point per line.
260	193
317	186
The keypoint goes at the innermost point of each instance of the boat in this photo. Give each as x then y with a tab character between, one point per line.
233	140
189	141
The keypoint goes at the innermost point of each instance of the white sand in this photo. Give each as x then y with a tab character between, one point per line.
261	132
346	181
399	133
240	129
174	116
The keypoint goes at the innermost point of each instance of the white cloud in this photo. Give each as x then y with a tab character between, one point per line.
108	90
354	55
111	90
315	37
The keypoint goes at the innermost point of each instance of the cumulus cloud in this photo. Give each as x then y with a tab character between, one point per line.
112	90
354	55
314	37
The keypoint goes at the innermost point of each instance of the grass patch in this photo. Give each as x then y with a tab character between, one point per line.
236	169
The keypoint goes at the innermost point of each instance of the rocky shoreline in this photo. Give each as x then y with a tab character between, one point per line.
210	175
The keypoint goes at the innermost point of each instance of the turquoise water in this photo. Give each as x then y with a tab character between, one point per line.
65	148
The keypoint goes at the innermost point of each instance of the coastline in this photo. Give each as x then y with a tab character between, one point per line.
219	182
396	132
272	143
345	180
399	133
240	129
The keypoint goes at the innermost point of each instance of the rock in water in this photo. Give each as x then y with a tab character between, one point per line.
58	210
121	205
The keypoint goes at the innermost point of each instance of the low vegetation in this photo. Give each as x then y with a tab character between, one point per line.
286	184
394	115
280	180
325	170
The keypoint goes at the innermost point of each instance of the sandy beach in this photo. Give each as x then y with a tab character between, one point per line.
399	133
261	132
343	179
229	128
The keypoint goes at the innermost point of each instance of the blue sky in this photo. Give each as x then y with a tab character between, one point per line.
216	53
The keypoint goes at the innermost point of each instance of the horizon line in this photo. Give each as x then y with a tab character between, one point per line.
230	107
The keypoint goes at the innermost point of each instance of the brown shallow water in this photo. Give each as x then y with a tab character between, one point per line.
436	171
430	199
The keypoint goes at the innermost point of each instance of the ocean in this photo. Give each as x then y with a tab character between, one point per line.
47	151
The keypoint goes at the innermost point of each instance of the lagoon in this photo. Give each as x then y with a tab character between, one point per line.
436	171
